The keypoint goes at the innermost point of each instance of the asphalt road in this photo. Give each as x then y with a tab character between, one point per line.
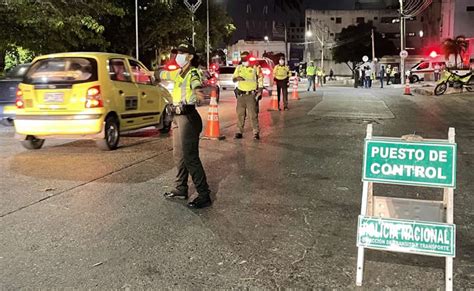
285	211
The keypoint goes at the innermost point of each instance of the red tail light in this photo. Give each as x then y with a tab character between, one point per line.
212	81
266	71
20	104
93	98
216	75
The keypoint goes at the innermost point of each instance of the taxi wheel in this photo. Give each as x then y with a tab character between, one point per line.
112	135
32	143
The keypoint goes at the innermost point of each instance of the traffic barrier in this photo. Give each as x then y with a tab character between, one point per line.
413	226
294	95
274	106
407	87
213	127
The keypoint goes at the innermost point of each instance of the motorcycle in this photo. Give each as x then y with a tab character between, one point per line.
458	81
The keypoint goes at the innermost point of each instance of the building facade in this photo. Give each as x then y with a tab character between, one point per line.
457	18
327	24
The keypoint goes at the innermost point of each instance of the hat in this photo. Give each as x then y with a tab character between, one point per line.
244	55
186	48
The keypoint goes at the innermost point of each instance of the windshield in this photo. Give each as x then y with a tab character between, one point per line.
67	70
18	72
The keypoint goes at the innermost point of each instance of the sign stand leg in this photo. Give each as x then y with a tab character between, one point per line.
449	204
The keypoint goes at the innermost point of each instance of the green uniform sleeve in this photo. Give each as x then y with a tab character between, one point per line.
195	79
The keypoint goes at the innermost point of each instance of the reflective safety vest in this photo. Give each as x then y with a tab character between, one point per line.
252	76
311	70
183	85
281	72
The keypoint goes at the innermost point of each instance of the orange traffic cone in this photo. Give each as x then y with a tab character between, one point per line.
294	95
274	106
213	128
407	87
265	93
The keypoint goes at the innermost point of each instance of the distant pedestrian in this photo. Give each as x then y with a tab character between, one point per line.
368	77
437	72
311	74
388	73
381	75
282	74
331	74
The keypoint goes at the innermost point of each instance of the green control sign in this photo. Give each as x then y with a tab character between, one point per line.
410	163
407	236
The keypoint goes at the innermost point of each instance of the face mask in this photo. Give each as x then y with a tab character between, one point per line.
245	64
282	62
181	60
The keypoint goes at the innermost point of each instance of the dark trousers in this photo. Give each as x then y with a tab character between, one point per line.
282	88
186	130
247	106
312	82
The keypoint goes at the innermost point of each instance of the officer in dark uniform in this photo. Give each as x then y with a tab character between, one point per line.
187	126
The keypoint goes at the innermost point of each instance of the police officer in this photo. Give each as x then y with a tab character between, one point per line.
311	73
249	89
282	74
187	125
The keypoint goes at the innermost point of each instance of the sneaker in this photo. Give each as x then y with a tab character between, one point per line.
176	194
238	135
256	136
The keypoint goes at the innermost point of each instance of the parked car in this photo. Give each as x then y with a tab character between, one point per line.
8	87
88	95
225	78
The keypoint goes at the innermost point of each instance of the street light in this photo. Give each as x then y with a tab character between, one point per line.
266	38
421	33
309	33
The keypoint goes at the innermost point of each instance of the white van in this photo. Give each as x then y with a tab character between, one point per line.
424	69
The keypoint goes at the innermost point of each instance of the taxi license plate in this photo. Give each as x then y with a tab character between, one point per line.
53	97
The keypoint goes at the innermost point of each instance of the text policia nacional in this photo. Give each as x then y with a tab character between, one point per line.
410	154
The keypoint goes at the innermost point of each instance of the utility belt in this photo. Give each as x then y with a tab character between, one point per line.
181	109
239	92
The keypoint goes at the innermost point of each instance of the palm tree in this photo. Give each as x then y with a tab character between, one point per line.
457	46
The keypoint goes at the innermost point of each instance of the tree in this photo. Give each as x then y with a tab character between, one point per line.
355	41
457	47
52	26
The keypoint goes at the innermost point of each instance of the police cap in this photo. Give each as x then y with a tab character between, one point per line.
186	48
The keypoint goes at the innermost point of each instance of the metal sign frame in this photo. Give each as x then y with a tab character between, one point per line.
368	209
193	7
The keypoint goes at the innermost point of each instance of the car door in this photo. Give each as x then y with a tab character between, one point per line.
125	93
150	106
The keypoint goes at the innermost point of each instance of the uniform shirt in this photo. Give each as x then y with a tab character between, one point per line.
281	72
183	91
311	70
252	76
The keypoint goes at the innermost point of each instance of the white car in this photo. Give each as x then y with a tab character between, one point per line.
225	78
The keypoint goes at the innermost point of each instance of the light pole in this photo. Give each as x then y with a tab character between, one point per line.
308	35
208	43
136	29
402	43
265	38
421	34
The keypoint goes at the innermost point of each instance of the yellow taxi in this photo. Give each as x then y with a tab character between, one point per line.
88	95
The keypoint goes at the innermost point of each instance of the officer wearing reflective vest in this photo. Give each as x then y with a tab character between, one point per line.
311	74
249	90
187	126
282	74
